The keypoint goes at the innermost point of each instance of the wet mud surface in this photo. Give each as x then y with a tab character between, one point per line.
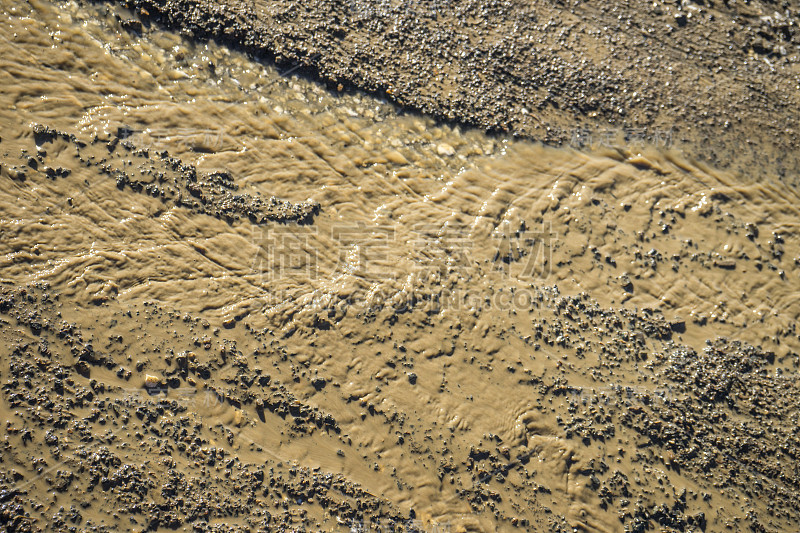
235	299
720	80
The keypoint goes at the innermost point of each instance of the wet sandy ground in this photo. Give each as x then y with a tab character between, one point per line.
234	300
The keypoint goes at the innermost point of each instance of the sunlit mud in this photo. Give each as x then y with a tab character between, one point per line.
235	300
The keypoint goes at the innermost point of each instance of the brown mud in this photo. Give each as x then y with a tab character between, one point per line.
235	300
719	80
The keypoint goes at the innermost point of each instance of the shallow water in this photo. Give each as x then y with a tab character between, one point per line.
437	251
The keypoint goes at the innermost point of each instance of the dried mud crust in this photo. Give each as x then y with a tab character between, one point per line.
158	175
718	79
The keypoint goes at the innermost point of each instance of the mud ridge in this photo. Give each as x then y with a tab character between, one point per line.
168	178
718	80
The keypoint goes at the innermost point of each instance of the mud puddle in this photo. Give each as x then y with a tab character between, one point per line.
234	300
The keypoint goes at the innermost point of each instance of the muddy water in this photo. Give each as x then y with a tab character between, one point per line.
471	332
